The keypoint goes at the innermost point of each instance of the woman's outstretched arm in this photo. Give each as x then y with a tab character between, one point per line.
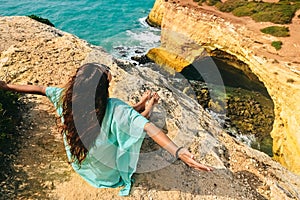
164	141
30	89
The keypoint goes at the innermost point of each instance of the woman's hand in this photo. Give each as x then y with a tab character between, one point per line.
188	158
3	85
164	141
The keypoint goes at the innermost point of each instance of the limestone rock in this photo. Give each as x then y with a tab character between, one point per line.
155	16
165	58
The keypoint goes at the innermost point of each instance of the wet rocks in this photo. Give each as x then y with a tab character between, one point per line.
141	59
249	113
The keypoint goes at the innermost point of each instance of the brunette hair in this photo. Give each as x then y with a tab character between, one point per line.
84	103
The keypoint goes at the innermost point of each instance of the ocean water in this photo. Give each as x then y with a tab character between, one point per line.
117	26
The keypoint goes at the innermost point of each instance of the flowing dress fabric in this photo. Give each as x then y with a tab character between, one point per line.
112	160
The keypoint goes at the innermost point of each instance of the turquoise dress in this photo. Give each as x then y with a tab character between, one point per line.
112	161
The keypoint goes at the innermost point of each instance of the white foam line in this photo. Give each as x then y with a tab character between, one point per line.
145	37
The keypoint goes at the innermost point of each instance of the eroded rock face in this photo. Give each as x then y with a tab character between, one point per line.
240	172
240	37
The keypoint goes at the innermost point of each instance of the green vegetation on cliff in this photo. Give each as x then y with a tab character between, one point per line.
278	13
277	44
277	31
9	112
40	19
208	2
9	120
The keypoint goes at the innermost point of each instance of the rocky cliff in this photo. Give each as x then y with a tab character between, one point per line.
33	53
241	39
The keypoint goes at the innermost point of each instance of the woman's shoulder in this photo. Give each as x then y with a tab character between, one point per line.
116	102
53	91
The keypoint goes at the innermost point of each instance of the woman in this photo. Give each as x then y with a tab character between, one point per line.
103	135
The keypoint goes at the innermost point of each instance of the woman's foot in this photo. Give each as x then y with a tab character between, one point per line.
140	106
154	98
152	102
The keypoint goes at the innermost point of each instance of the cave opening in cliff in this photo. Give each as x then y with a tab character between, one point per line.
247	106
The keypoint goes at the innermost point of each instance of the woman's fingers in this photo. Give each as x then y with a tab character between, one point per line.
200	166
188	158
146	96
192	163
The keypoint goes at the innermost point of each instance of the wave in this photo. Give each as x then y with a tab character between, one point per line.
145	37
134	42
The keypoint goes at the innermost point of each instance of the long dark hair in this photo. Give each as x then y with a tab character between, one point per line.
84	104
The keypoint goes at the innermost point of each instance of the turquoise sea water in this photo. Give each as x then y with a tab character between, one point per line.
118	26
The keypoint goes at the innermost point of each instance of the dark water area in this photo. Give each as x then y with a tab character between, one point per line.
208	69
235	96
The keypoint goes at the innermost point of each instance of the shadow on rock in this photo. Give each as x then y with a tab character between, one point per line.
182	181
